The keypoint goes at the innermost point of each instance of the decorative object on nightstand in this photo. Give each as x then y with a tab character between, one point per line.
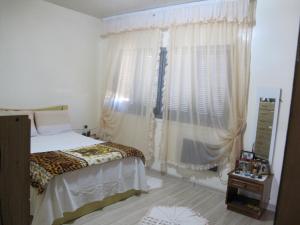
250	165
86	131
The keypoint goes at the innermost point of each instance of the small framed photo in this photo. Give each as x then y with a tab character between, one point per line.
244	166
264	168
246	155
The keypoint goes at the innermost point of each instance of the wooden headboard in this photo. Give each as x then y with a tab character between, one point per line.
50	108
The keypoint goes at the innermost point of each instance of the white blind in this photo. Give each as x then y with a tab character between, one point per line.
211	76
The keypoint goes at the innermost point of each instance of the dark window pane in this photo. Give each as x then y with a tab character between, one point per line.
160	85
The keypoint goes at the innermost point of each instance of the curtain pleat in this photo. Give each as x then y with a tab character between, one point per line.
131	66
205	94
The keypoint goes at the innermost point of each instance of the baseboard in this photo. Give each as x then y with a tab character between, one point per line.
271	207
210	179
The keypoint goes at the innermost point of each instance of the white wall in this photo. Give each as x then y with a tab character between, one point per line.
272	65
48	56
101	77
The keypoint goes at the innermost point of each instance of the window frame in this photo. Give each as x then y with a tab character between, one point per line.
158	112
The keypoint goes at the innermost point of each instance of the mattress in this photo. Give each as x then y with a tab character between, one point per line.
72	190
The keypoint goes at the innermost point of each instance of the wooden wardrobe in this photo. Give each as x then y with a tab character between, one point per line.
288	203
14	170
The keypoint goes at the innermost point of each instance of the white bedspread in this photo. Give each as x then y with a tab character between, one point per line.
63	141
69	191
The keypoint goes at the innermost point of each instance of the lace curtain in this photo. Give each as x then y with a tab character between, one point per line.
205	94
205	88
131	63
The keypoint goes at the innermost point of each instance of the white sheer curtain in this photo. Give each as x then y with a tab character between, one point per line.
205	93
131	66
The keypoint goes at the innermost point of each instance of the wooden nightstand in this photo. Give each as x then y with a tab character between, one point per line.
250	206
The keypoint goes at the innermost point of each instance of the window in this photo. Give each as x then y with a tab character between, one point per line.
130	84
213	72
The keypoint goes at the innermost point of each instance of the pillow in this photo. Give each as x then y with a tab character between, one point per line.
52	122
33	131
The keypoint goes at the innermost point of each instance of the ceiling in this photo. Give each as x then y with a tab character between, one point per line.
107	8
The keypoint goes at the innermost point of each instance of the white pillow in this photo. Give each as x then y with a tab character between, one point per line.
52	122
33	131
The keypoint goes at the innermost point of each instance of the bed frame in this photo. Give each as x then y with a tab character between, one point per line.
54	108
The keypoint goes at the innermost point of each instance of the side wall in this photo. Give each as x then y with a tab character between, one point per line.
48	56
272	65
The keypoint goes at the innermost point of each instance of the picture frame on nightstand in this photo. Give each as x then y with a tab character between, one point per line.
247	155
244	166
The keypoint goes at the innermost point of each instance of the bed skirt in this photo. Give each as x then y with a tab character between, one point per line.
77	193
91	207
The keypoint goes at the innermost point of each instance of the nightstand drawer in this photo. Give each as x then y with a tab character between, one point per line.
254	187
237	183
245	185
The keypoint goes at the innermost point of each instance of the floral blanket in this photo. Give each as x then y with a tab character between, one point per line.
45	165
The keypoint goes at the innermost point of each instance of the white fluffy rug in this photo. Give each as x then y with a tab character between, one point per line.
172	216
154	183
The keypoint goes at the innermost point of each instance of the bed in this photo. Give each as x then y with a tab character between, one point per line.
76	193
71	195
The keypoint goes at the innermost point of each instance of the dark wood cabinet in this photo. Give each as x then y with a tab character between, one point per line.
288	202
253	206
14	170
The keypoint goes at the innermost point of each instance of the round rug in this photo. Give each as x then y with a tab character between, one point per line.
163	215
